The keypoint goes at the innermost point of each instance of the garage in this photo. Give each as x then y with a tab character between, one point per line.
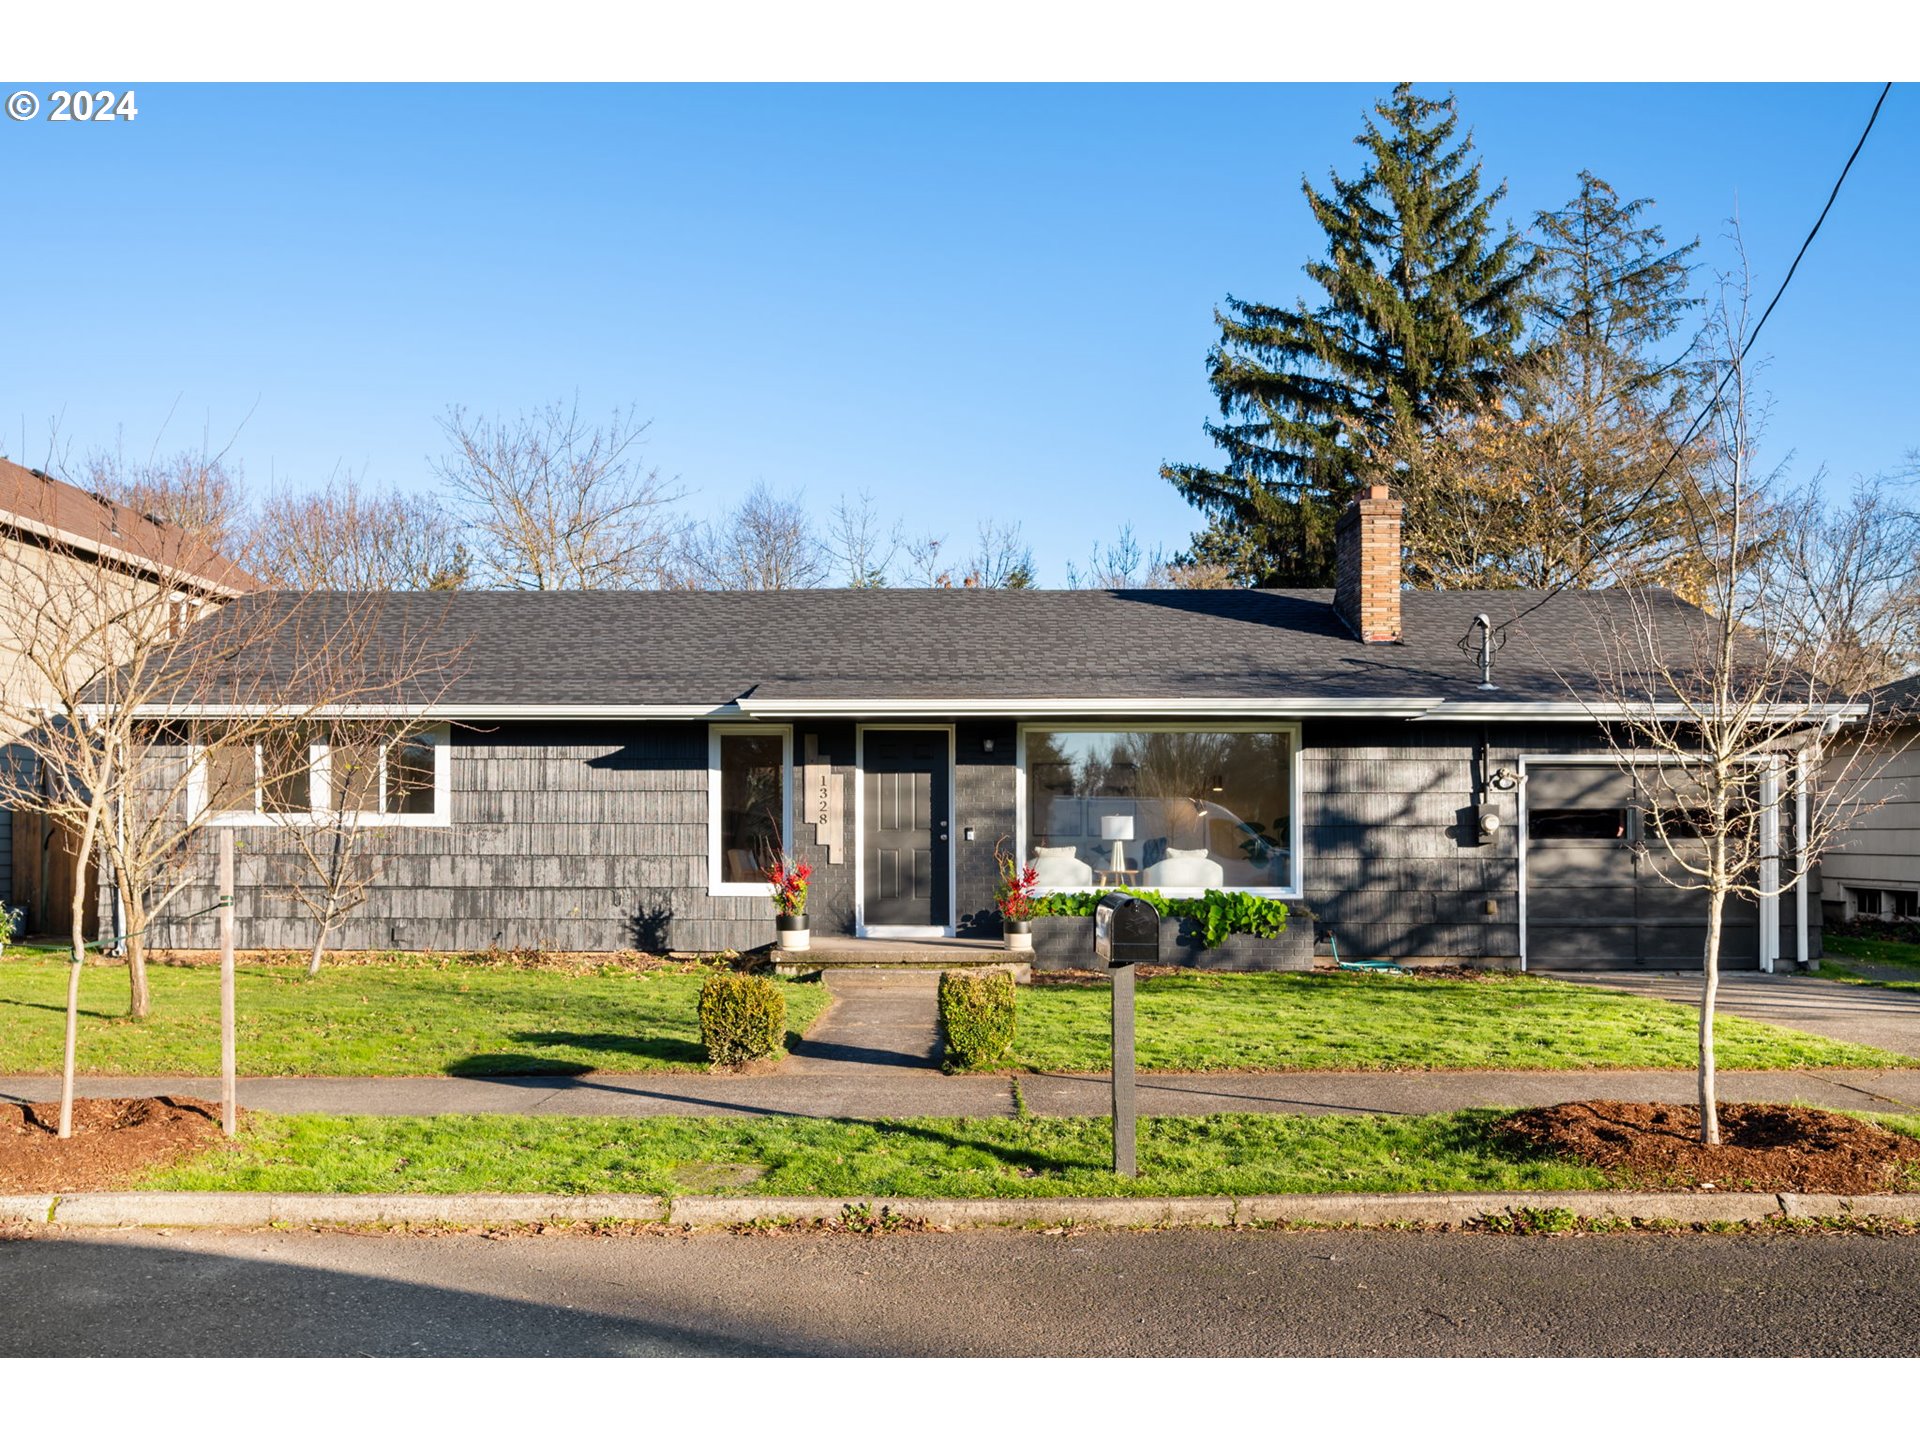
1594	900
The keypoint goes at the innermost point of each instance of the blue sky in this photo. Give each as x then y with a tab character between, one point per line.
976	302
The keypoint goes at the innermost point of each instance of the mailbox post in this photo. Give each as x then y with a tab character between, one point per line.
1126	932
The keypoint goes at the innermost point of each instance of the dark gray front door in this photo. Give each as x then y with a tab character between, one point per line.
1595	900
904	831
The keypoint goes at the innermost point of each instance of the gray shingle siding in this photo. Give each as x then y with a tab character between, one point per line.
593	837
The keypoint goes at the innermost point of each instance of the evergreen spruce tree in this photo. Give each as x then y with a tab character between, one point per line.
1609	398
1424	310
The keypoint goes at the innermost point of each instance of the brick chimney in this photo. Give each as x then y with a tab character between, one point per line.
1366	565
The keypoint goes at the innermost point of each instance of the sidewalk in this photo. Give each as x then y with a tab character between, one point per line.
863	1092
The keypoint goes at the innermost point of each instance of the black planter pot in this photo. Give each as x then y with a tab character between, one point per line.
1019	935
792	931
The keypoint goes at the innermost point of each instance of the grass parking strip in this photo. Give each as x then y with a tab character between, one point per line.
945	1158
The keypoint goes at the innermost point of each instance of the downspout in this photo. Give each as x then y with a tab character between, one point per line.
1770	866
1802	958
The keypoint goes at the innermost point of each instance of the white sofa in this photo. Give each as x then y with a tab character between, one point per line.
1059	866
1185	870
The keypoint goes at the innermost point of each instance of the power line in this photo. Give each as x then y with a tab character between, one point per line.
1713	403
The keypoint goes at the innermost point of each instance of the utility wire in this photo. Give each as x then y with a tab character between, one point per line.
1713	402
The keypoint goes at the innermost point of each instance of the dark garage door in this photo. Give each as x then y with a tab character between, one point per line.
1594	902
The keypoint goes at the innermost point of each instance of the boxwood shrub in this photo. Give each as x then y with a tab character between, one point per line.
976	1018
742	1018
1215	915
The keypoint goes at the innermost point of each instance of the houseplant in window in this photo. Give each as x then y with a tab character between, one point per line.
789	879
1014	897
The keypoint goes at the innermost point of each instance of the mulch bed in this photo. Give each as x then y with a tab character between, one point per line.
1763	1147
112	1141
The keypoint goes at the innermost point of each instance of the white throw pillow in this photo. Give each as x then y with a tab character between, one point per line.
1052	852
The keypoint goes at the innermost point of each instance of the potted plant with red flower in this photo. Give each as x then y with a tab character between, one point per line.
1014	897
789	879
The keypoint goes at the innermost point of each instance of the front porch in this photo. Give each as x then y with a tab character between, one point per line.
846	952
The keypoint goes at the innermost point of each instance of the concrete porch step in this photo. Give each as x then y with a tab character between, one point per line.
840	953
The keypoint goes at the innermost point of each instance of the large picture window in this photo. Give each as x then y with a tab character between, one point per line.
750	805
1176	809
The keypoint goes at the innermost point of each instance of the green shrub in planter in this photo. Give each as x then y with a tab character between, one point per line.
976	1018
742	1018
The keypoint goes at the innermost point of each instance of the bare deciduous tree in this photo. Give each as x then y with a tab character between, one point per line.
1846	574
1722	719
193	490
551	502
373	766
1001	560
92	642
766	543
862	550
344	537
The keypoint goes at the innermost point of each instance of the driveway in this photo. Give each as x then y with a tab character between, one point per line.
1862	1014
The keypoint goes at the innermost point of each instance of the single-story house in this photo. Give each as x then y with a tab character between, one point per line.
607	770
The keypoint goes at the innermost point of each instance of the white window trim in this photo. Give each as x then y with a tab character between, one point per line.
1297	849
715	869
319	757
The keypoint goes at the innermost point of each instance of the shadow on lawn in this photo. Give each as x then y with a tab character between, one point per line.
61	1009
664	1049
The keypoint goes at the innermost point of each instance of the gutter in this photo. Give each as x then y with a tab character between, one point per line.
1281	707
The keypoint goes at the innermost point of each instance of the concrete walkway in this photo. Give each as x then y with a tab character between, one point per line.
872	1093
880	1023
1861	1014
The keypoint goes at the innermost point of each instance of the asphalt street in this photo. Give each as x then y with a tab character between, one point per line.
1194	1292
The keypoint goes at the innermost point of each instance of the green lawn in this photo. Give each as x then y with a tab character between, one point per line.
1897	955
1382	1022
389	1019
1210	1155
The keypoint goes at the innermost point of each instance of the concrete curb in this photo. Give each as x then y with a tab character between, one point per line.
255	1209
187	1208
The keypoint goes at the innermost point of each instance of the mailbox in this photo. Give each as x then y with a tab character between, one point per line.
1126	930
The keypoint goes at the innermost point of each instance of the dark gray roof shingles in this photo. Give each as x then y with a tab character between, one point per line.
710	647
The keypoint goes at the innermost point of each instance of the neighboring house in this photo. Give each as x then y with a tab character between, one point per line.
608	770
1872	869
55	534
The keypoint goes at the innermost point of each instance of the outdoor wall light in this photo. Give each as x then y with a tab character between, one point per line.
987	746
1503	779
966	834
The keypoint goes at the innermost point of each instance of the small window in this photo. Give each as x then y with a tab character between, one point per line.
1865	902
1906	904
410	777
1571	824
285	760
1678	823
353	771
230	777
